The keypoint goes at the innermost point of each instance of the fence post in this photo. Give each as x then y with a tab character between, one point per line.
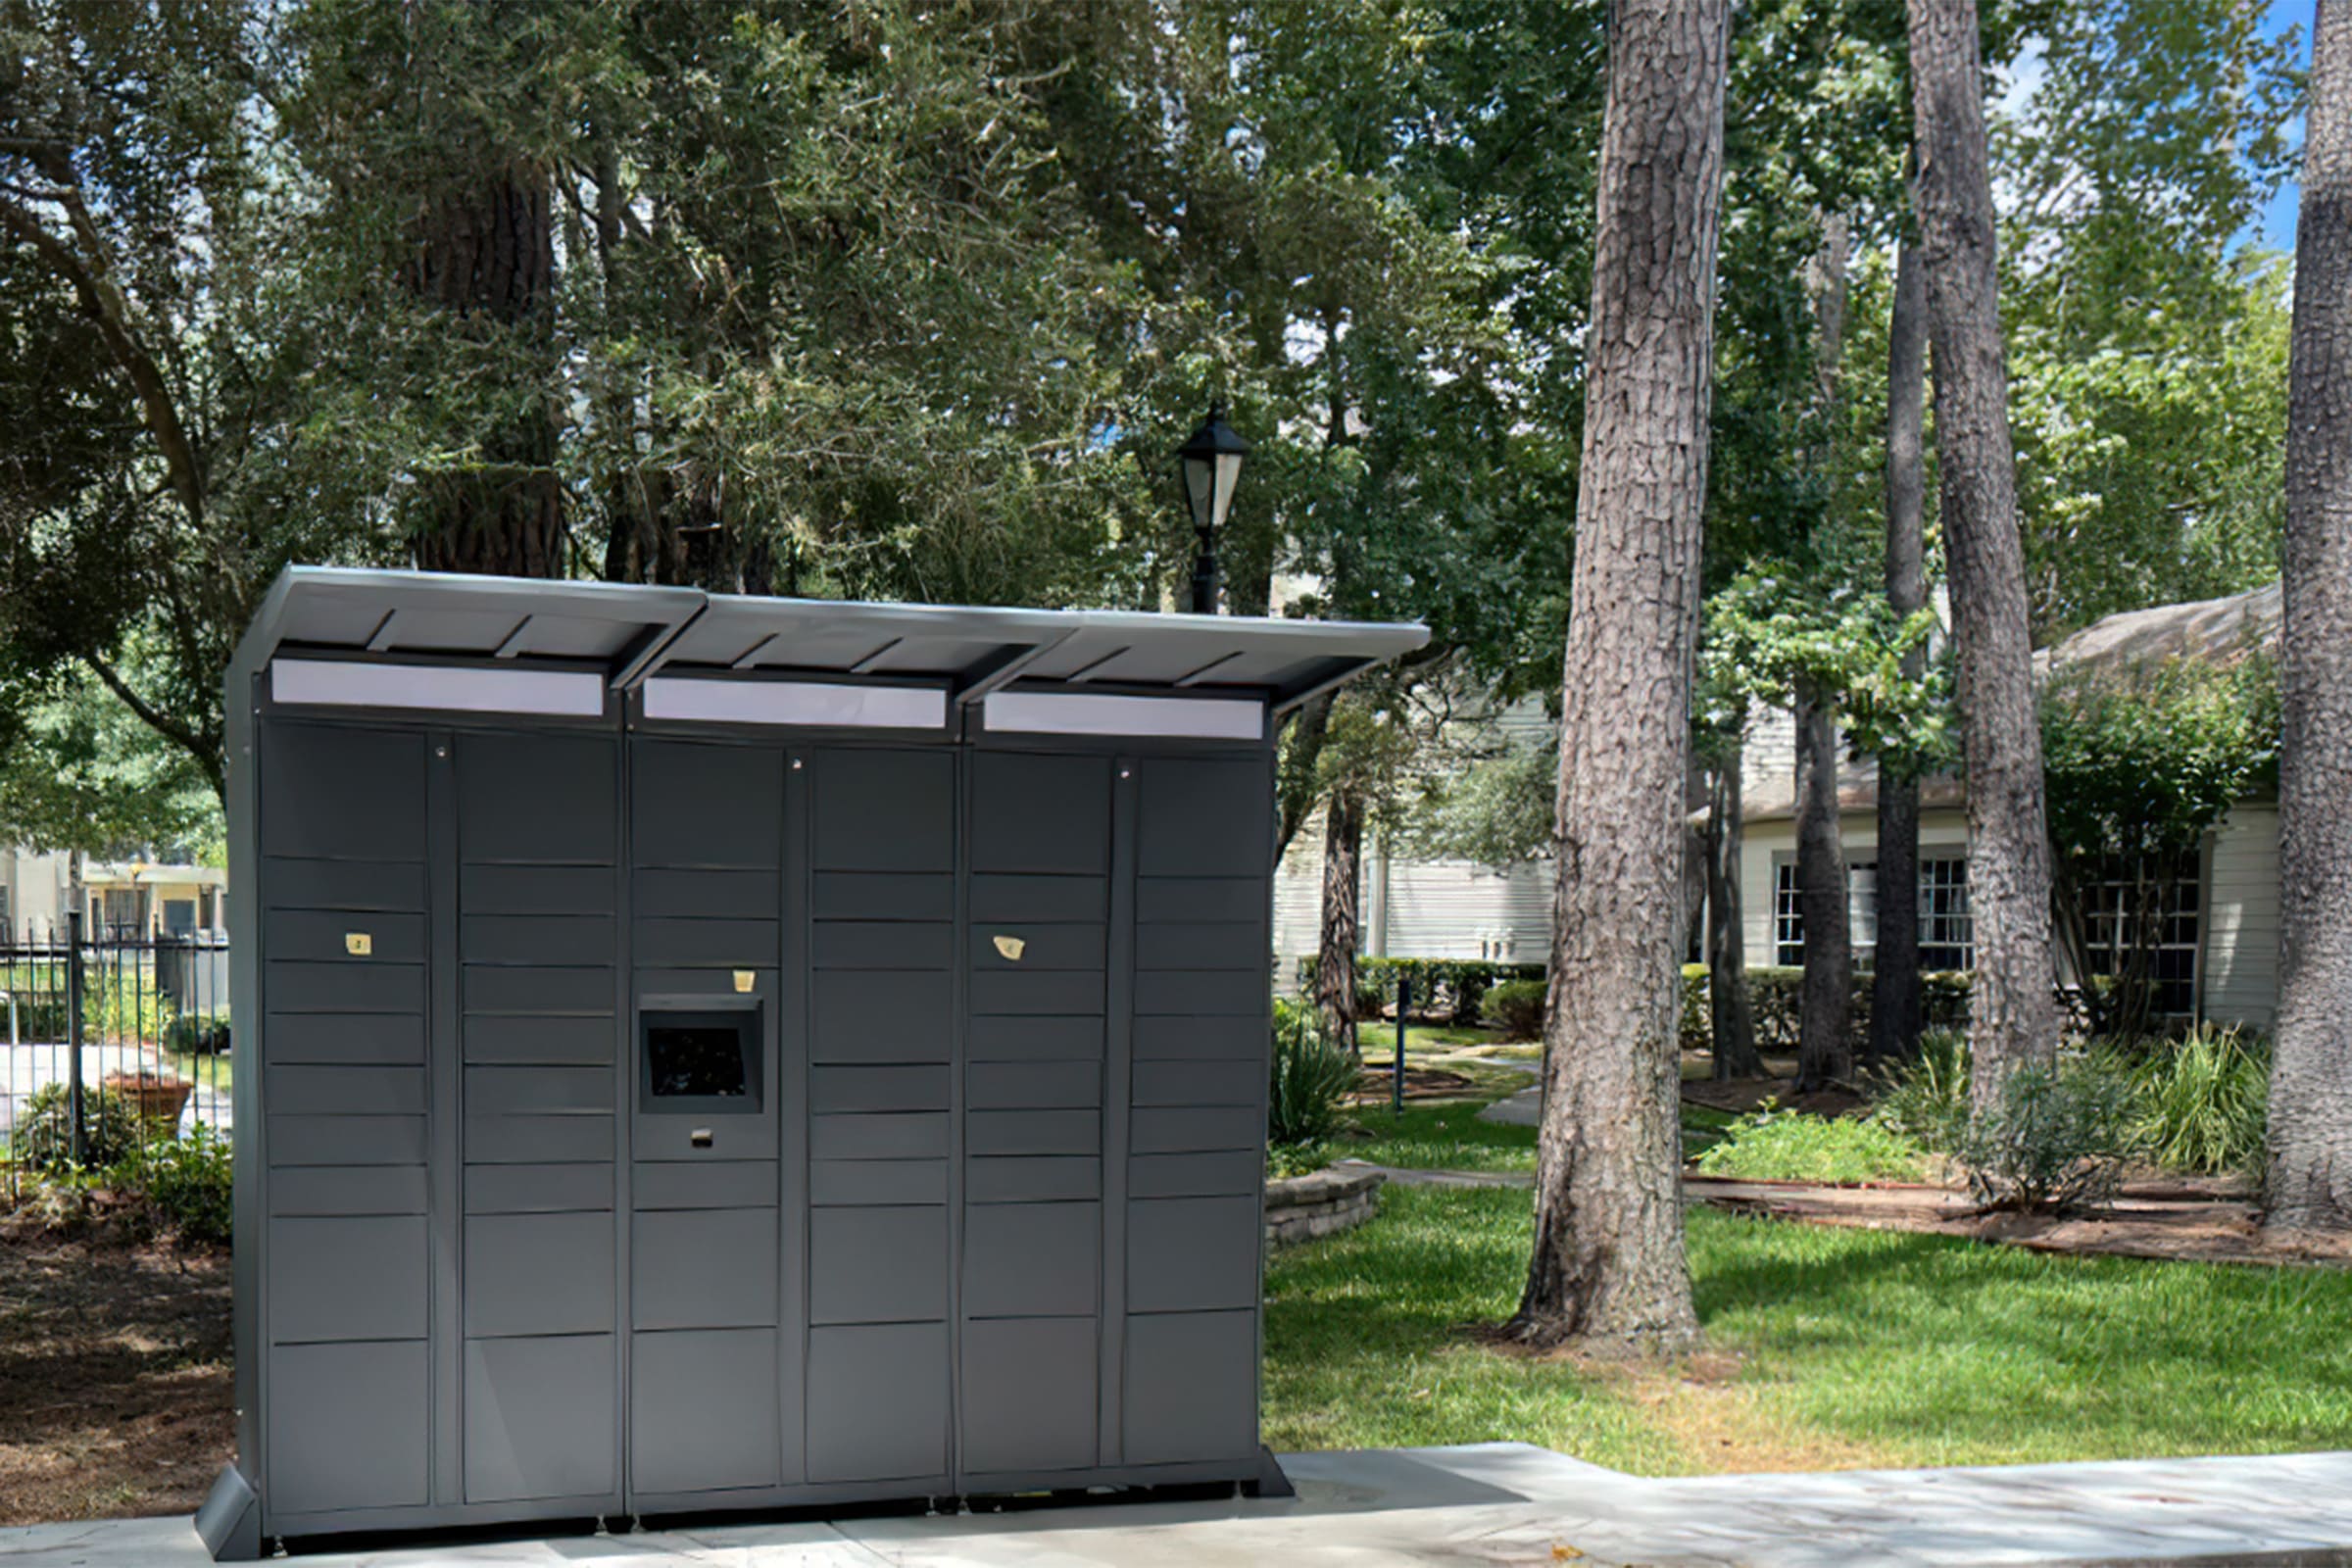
74	1105
1405	1001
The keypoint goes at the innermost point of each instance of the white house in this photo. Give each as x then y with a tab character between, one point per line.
2218	960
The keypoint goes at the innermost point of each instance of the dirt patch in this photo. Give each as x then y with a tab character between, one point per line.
1378	1079
2167	1222
1721	1423
1741	1095
114	1386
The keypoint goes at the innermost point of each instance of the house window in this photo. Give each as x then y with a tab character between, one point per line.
1789	914
1945	938
2111	909
1943	928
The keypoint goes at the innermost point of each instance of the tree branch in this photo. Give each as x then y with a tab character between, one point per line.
106	307
187	739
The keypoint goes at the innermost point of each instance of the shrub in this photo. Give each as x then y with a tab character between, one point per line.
1776	1145
2053	1139
1694	1030
43	1139
1516	1007
1451	989
187	1186
1311	1078
198	1034
2200	1102
1926	1099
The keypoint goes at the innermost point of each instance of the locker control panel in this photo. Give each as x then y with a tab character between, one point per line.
703	1062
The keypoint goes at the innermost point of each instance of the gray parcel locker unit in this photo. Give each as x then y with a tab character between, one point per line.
710	1053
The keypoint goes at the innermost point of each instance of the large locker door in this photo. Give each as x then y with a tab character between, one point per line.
1035	947
537	897
881	1041
1195	1111
343	893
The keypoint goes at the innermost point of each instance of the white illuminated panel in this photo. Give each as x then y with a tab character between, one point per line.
570	693
1098	714
796	702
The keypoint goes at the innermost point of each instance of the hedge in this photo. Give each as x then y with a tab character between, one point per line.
1443	988
1776	994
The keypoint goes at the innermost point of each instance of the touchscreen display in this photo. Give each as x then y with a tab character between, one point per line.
699	1059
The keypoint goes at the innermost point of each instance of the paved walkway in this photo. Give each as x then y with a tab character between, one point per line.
1495	1504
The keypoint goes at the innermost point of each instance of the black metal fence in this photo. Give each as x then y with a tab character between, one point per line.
107	1040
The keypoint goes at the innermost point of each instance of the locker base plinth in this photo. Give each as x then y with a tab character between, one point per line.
230	1523
1270	1482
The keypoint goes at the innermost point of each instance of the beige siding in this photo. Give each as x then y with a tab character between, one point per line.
2241	920
1941	834
1416	908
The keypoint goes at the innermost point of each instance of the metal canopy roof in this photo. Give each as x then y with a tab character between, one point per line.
634	631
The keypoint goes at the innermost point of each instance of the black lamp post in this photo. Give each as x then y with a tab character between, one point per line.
1212	462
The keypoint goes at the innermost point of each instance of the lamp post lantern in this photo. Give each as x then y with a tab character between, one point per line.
1213	461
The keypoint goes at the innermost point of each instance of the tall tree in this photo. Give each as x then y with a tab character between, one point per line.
1825	1053
2013	1016
2310	1074
1894	994
1608	1261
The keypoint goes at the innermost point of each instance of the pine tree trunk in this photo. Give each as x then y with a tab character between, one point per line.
2311	1073
1894	994
1731	1013
488	254
2013	1015
1343	874
1608	1262
1824	1052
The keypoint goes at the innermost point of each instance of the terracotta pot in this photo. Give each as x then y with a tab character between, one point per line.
155	1097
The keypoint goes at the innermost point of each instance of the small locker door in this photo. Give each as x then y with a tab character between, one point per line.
1030	1320
881	1022
343	895
537	891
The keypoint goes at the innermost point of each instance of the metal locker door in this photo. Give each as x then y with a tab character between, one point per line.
1037	985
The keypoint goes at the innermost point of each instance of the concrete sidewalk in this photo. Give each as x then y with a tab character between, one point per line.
1495	1504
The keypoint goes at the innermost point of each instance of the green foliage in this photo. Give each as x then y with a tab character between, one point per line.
1927	1098
1451	989
79	771
43	1137
186	1185
1770	633
1696	1022
2200	1102
2141	765
1776	994
2147	350
1496	811
198	1034
1311	1078
1284	1160
1788	1146
1516	1008
2055	1138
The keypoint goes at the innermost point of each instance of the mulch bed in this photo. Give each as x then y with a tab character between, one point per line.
115	1385
2174	1219
1741	1095
1378	1079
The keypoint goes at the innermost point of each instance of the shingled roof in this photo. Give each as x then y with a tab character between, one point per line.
2221	630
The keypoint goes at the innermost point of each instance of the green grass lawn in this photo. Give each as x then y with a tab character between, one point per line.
1826	1347
1437	1137
1452	1138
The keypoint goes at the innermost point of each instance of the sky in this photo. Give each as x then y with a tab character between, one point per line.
2278	226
